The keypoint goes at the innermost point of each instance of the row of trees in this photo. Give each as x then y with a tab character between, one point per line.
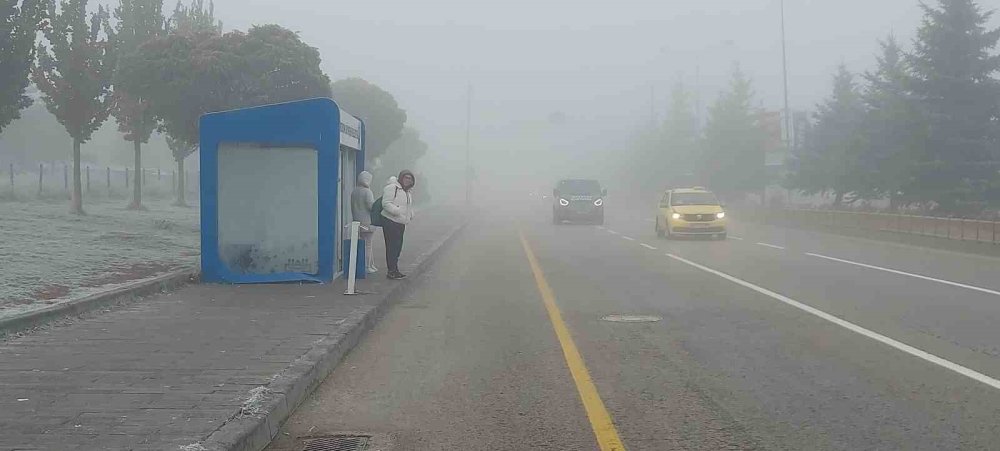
923	127
727	153
154	73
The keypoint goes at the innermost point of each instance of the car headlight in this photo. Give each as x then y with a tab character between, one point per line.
598	202
676	216
721	215
564	202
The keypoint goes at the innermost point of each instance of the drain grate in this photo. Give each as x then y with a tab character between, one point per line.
338	443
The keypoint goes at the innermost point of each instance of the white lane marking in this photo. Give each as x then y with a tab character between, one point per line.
648	246
601	227
770	245
736	238
902	273
921	354
628	238
612	232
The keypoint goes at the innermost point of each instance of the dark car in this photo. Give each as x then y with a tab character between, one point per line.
578	200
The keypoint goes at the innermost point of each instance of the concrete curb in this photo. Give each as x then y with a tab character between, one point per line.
296	382
36	318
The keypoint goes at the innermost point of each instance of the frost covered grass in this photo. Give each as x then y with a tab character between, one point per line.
48	255
104	186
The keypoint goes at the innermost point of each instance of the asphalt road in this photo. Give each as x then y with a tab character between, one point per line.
774	339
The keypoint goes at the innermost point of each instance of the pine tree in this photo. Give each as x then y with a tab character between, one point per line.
139	21
74	74
894	131
954	70
18	26
734	148
680	135
833	156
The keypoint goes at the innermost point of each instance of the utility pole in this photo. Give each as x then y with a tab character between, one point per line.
697	96
468	146
652	104
784	70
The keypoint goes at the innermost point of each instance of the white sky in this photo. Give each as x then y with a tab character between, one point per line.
529	58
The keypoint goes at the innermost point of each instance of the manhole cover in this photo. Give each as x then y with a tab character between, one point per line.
631	318
338	443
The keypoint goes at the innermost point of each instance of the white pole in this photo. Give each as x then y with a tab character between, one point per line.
784	71
468	146
352	271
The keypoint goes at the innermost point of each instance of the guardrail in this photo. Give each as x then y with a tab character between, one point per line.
980	230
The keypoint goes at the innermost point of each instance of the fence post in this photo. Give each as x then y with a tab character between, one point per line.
109	180
65	177
12	176
145	176
88	179
41	169
126	177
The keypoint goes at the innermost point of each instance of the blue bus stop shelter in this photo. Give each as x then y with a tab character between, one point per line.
275	187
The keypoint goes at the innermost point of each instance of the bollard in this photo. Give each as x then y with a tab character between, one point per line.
41	169
126	177
12	176
109	180
65	177
88	179
352	265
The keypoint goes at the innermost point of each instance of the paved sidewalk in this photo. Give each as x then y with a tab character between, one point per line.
170	370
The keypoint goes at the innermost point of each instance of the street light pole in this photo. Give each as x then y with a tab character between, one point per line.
784	70
468	146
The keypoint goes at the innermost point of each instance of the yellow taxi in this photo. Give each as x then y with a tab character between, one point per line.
691	212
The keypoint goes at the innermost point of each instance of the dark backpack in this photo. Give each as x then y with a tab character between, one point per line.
377	213
377	218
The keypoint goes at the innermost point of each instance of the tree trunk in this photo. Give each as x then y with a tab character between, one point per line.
137	187
180	184
76	200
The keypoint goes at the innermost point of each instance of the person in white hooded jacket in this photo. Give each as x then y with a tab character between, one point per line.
362	200
397	209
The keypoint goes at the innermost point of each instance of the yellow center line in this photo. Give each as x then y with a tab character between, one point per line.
600	420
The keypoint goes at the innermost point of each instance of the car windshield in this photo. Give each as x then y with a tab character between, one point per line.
579	187
681	199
